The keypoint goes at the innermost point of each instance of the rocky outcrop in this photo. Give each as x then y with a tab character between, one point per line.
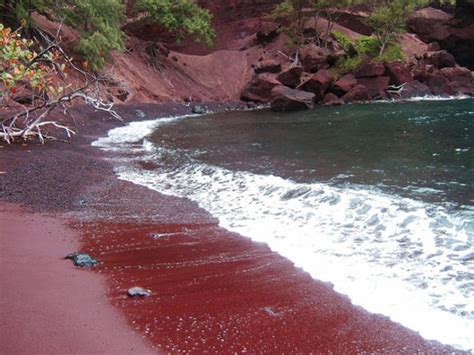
375	86
268	66
344	84
370	69
318	84
413	89
440	59
398	72
331	99
260	87
268	32
454	33
313	58
357	93
291	76
287	99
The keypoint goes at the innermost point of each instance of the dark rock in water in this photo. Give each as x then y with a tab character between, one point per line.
438	85
138	292
268	66
260	87
199	110
399	73
414	89
81	260
344	84
286	99
268	32
357	93
376	86
140	114
291	77
332	100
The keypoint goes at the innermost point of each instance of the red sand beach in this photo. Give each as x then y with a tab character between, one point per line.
212	290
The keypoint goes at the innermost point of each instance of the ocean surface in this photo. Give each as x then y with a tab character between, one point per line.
377	199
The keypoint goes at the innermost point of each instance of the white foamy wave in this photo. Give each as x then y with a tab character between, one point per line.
407	259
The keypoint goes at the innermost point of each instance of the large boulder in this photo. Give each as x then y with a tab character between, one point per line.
260	87
344	84
376	86
439	85
370	69
357	93
291	76
268	66
318	84
268	32
398	72
287	99
313	58
413	89
331	99
453	33
440	59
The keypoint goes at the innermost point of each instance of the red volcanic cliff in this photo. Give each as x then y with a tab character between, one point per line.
156	69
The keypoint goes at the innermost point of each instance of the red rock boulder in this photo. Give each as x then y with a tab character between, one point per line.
268	32
260	87
398	72
412	89
318	84
376	86
357	93
440	59
370	69
344	84
313	58
291	76
268	66
332	100
286	99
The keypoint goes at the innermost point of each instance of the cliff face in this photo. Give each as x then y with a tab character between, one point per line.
156	69
453	32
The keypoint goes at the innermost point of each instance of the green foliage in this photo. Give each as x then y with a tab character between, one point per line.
342	39
181	17
346	65
392	52
291	11
20	68
99	21
100	26
367	46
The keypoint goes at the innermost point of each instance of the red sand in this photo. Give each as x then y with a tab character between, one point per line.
219	292
48	306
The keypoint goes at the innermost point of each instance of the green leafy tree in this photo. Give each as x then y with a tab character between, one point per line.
181	17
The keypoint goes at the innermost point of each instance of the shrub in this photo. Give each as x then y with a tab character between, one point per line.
343	40
367	46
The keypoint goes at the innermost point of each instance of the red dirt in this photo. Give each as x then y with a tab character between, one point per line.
48	306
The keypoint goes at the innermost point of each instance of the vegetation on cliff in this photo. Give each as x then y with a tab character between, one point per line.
99	22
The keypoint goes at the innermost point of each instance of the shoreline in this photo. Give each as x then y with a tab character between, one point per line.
260	301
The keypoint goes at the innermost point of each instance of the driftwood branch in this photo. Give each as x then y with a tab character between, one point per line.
30	122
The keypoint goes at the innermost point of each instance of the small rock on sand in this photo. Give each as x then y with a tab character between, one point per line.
82	260
138	292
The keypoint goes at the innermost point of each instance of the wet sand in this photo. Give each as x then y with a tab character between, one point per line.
212	290
47	305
